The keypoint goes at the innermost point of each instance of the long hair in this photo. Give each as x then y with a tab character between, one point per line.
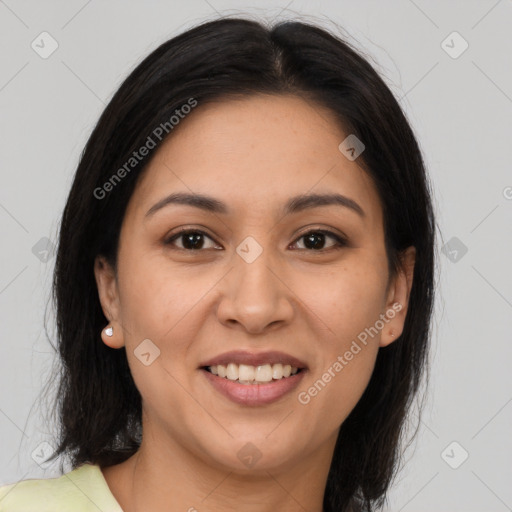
97	403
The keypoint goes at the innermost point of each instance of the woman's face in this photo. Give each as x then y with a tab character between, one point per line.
254	283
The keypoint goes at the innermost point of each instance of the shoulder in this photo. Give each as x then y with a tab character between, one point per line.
82	489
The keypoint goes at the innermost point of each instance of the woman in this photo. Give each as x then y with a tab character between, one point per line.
244	282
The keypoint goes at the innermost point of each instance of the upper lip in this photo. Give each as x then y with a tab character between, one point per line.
254	359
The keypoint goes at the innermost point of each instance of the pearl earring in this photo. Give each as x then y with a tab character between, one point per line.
109	331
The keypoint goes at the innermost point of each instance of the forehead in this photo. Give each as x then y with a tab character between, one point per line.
256	151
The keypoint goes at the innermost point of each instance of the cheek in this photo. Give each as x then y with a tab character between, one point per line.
157	304
347	299
348	385
157	298
338	383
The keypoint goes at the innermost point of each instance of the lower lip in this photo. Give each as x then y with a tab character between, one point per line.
254	394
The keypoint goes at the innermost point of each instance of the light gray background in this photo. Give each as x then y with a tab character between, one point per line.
460	109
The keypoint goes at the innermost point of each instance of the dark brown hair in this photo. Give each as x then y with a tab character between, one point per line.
98	404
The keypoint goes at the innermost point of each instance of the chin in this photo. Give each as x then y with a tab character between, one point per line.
246	454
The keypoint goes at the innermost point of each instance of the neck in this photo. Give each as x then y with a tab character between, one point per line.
173	479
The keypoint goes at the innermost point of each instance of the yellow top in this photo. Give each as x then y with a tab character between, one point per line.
83	489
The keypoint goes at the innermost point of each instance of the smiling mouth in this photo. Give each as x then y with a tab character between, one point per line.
250	375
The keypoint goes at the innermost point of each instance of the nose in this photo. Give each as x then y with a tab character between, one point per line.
255	295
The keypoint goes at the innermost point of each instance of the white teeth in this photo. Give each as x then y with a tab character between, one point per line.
277	371
247	374
263	373
232	371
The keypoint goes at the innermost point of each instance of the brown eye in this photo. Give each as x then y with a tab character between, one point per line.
315	240
192	240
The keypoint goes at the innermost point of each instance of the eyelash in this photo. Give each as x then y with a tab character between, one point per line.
340	241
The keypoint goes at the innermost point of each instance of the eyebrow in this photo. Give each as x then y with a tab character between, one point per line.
293	205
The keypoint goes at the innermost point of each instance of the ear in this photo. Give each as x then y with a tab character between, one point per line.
109	298
397	301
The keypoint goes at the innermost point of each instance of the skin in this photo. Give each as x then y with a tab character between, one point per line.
196	304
